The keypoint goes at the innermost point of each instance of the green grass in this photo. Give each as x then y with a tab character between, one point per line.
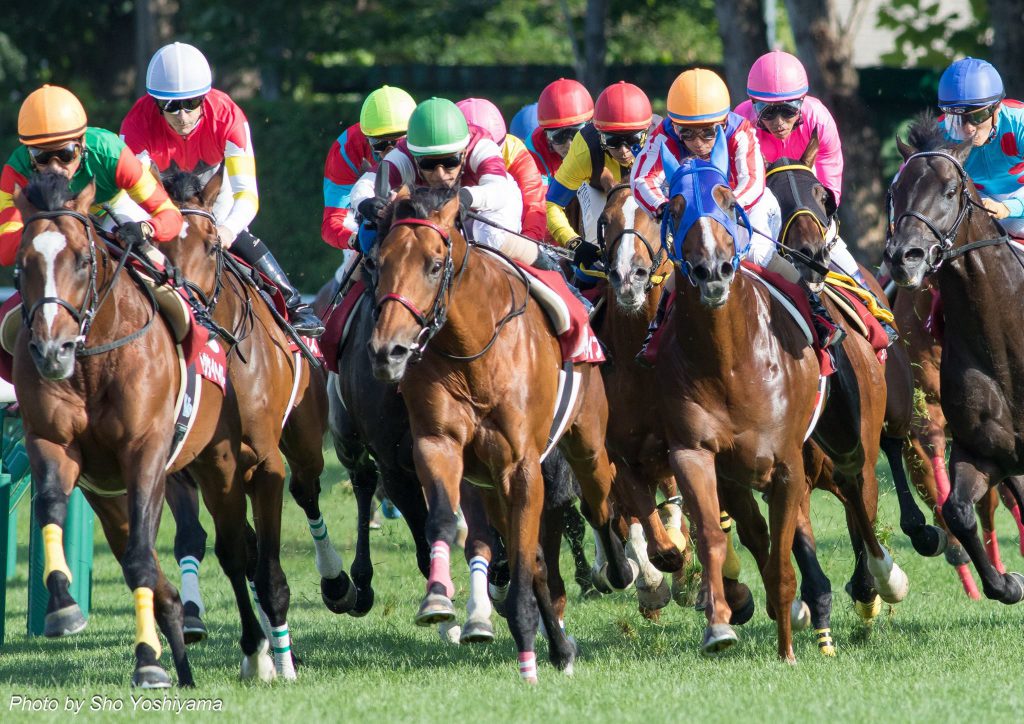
935	657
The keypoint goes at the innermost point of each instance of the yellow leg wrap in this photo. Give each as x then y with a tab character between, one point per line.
53	550
825	643
145	621
869	611
731	567
677	538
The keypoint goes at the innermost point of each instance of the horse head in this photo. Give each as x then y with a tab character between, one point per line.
636	257
807	209
194	193
56	271
411	266
928	202
703	217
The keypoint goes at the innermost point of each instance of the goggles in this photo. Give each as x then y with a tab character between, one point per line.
558	136
380	145
612	141
971	114
787	110
64	155
692	133
429	163
179	104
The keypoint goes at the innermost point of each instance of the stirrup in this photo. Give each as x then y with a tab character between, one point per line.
827	338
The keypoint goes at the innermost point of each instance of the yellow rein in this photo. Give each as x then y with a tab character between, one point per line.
656	279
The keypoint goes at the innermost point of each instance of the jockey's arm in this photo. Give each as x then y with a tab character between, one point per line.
339	178
143	188
524	171
747	166
494	182
10	218
240	164
573	173
647	177
829	162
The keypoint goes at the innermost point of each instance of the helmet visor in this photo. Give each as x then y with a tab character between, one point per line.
971	114
768	111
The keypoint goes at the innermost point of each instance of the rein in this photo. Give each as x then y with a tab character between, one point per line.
657	259
803	209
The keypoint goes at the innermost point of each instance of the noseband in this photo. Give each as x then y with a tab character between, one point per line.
657	259
802	208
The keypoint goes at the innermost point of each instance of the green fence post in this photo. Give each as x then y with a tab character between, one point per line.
9	552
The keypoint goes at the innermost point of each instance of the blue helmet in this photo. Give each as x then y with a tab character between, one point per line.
970	82
524	122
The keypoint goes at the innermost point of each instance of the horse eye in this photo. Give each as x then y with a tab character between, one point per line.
436	267
950	193
81	261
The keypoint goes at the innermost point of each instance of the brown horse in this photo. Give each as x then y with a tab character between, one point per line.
739	386
100	369
941	228
480	397
290	415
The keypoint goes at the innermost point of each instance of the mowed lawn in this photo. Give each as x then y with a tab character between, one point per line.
935	657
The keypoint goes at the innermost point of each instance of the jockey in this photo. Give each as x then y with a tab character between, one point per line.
524	122
383	120
562	109
55	138
518	162
971	97
607	144
183	123
698	107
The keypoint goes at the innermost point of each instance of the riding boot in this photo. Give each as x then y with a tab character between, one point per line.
829	333
547	262
300	314
648	354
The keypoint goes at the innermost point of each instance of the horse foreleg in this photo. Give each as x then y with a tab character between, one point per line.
478	628
787	491
815	604
525	506
652	590
1012	492
189	549
356	596
986	510
753	532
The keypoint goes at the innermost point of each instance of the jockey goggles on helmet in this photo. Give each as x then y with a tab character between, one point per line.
179	104
769	111
691	133
972	114
629	139
558	136
65	154
429	163
384	143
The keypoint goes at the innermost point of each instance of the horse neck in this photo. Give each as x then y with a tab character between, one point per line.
627	331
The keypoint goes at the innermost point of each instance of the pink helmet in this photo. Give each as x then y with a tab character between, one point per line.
481	112
777	76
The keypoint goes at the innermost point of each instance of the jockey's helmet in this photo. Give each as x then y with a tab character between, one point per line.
178	70
481	112
564	102
622	107
437	127
50	114
969	83
776	77
386	112
524	121
698	97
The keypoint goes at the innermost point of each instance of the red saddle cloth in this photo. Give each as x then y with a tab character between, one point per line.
798	297
876	336
578	341
936	322
336	325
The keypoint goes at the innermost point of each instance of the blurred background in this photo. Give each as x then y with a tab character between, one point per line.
300	71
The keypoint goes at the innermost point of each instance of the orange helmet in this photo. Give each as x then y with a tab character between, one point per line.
698	96
564	103
50	114
622	107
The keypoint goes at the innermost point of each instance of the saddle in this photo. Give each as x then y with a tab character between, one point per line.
861	310
338	324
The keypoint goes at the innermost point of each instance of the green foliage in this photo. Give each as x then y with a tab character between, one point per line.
929	35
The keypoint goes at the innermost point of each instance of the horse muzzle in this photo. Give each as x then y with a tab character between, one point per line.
55	359
909	263
389	360
630	288
714	281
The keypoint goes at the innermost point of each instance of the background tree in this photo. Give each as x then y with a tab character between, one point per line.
1007	22
742	29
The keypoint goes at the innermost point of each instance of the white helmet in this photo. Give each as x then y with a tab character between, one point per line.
178	70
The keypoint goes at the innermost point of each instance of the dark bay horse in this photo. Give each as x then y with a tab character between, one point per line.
739	384
479	373
941	228
281	402
96	370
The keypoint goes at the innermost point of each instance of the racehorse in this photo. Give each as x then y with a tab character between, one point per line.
731	349
98	363
940	228
290	415
480	396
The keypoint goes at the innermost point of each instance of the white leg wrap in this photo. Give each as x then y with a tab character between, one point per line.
328	562
264	620
478	607
190	582
281	645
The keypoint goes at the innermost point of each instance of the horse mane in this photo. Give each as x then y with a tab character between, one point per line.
48	191
182	186
423	201
927	134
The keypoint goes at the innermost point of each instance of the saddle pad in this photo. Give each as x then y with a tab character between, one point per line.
338	324
842	281
861	317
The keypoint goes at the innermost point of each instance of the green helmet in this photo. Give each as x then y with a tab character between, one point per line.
386	112
437	127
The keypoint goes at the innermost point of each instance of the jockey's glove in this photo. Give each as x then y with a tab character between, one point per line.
367	236
134	233
586	253
370	209
226	236
465	199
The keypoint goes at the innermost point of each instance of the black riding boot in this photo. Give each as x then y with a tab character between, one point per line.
829	333
300	314
547	262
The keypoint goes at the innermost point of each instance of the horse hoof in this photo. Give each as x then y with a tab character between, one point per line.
744	612
670	560
601	584
150	677
956	555
678	539
64	622
799	615
477	632
567	664
717	638
894	589
338	593
194	629
653	599
1014	591
826	647
868	611
436	608
364	602
498	594
259	665
450	632
930	541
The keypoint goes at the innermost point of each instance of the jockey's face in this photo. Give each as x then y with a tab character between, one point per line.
440	171
182	115
560	138
980	133
698	140
63	157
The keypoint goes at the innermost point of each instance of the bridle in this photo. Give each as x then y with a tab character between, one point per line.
92	301
657	258
802	207
943	249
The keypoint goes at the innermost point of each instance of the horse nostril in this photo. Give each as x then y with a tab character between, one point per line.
614	277
67	348
725	270
398	352
913	255
701	273
641	274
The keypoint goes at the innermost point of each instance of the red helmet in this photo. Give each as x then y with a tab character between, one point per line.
564	103
622	107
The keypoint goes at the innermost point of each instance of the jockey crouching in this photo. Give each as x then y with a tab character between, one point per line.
563	108
698	106
785	117
183	123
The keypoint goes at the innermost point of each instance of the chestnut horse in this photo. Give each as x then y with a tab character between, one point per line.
941	228
100	369
479	374
739	384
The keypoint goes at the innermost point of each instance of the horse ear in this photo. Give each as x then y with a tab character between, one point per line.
607	180
403	193
905	149
669	163
83	201
676	208
720	152
811	150
449	212
963	150
723	197
212	189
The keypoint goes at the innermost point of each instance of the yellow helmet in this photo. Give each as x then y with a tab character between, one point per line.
386	112
697	97
50	114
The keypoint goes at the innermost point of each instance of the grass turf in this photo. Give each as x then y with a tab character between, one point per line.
935	657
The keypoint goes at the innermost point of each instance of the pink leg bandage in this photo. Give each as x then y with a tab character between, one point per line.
967	580
528	666
992	548
440	570
941	480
